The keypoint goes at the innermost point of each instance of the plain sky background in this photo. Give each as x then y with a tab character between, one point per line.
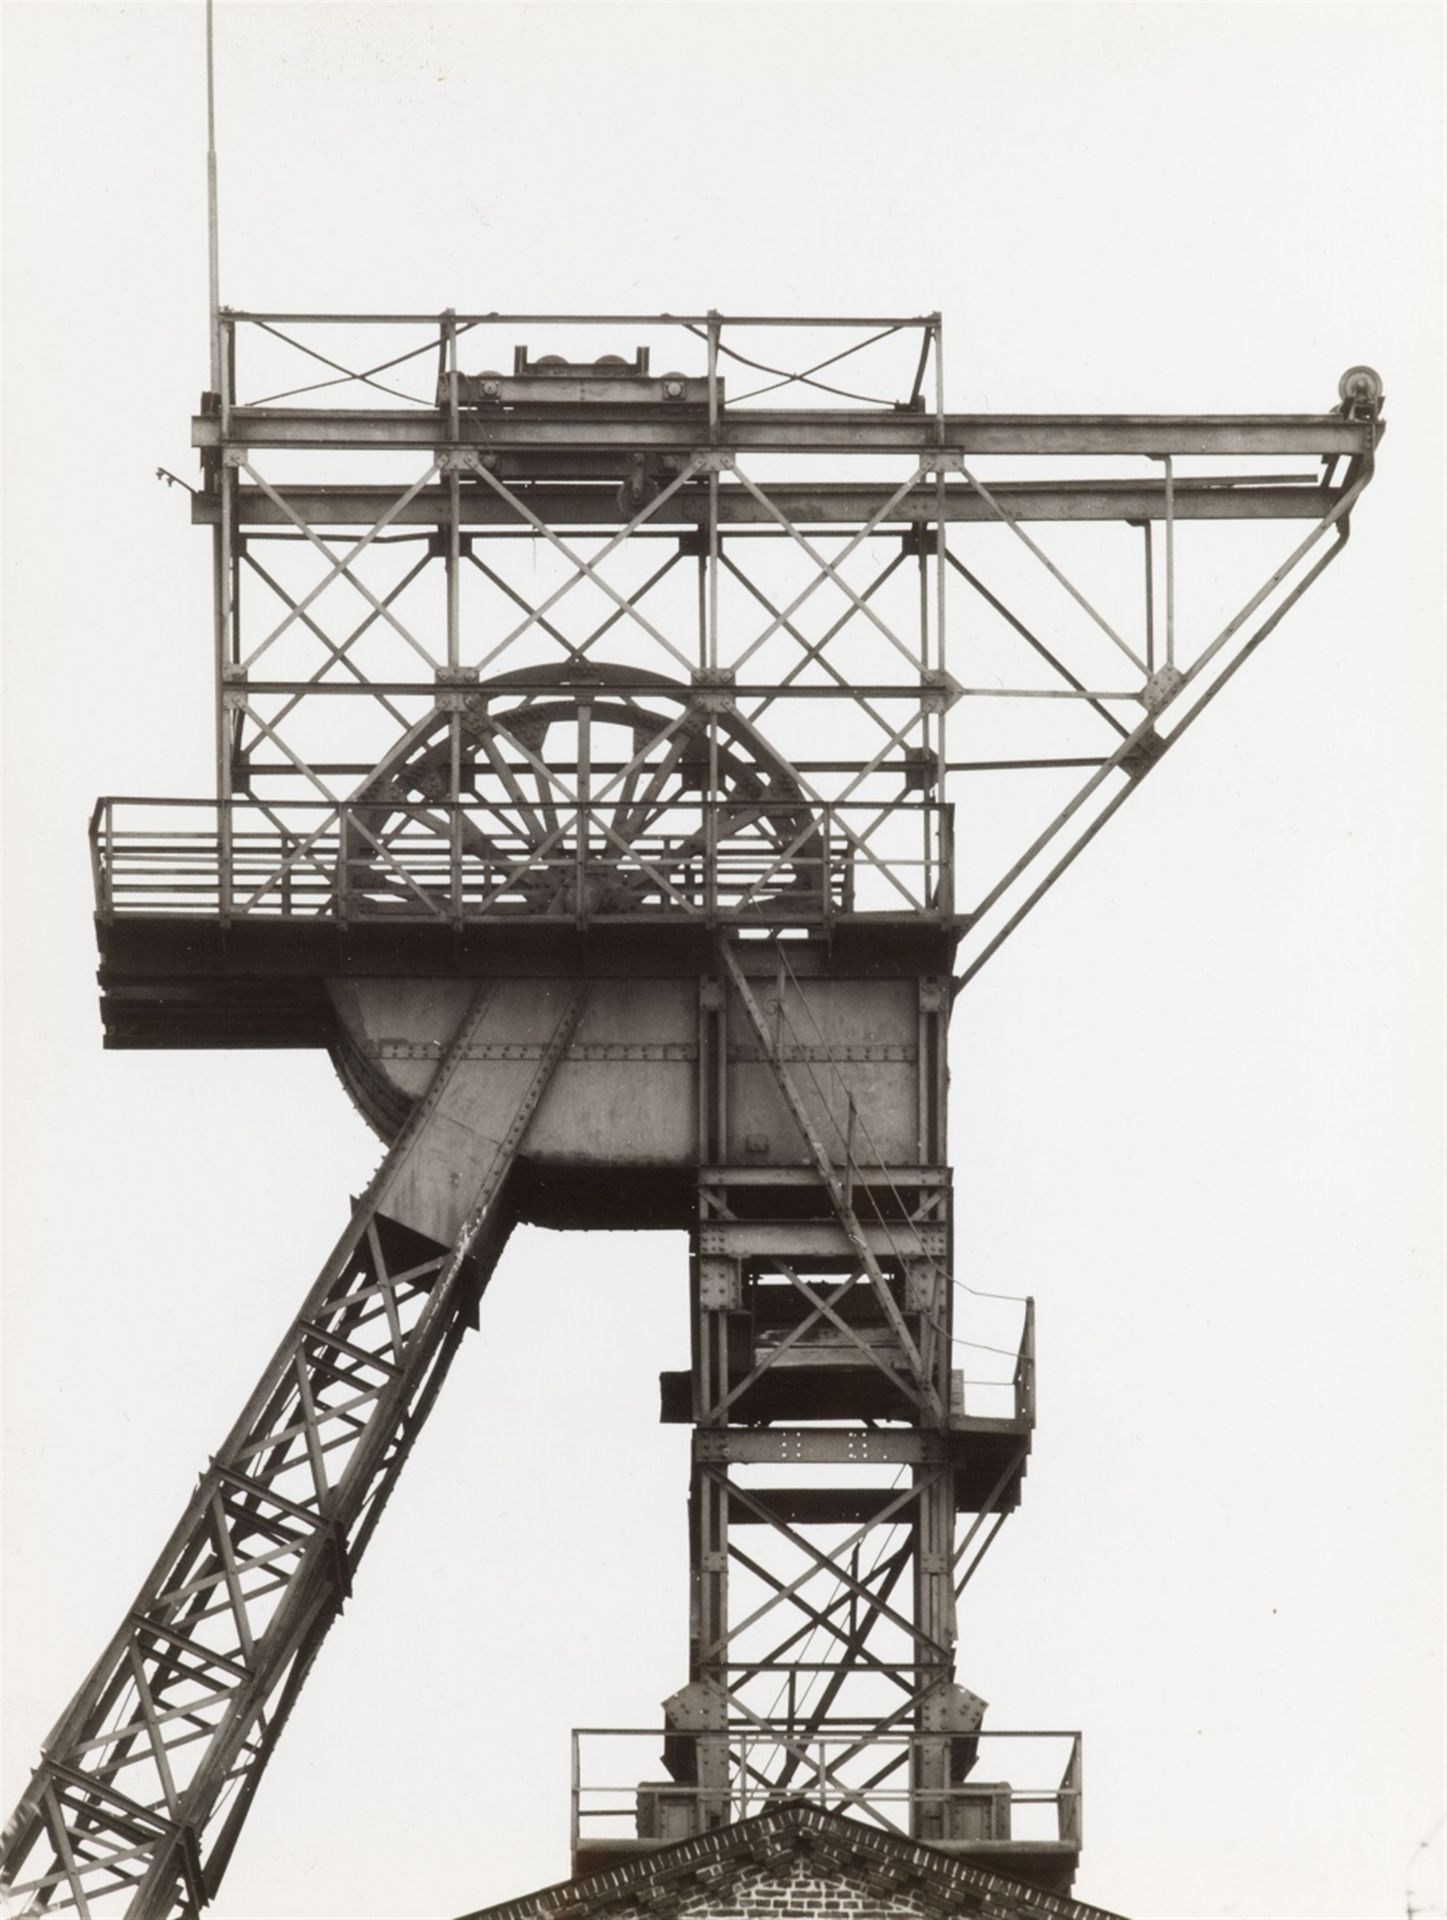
1197	1103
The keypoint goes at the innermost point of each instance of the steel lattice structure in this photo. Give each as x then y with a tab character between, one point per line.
620	772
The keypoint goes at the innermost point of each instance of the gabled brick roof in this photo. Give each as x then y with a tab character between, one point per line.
919	1876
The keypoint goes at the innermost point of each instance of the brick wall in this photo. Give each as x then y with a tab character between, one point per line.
801	1888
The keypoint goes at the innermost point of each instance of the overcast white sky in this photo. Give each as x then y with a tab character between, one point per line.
1196	1102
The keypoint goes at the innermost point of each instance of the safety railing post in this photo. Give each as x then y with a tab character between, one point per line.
225	859
100	834
1025	1367
1070	1812
575	1799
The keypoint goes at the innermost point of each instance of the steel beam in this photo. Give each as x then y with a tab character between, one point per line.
846	1446
781	430
827	504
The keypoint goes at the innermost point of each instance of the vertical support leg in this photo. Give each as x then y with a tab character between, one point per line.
934	1612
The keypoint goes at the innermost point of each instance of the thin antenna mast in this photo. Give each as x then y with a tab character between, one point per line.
213	248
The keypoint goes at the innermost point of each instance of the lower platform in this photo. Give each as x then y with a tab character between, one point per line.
1045	1866
806	1860
176	980
1027	1825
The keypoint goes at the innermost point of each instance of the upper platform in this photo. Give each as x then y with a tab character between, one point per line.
566	641
574	424
218	927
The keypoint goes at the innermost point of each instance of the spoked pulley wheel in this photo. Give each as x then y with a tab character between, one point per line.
564	794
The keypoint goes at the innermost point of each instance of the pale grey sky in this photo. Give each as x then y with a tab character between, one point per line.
1196	1101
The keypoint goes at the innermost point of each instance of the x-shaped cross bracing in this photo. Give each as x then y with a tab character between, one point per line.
586	569
820	1562
822	1308
343	568
829	569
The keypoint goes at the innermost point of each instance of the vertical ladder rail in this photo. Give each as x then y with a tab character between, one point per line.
148	1775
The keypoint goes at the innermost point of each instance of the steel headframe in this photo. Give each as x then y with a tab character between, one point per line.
585	642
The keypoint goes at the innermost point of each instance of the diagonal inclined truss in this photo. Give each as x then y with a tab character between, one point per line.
149	1774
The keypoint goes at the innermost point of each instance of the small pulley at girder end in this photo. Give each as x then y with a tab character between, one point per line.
1360	388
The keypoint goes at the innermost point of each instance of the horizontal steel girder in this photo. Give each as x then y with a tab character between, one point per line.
802	504
848	1446
819	1239
804	431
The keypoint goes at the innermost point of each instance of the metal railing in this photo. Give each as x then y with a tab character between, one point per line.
1024	1377
1011	1399
621	1795
462	861
407	361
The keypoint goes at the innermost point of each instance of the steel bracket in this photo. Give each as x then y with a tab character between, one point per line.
1144	754
943	690
1162	687
720	1285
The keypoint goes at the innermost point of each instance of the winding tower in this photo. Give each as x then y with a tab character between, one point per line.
631	733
